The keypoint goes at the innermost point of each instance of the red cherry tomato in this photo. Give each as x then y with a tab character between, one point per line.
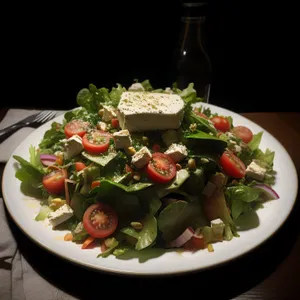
95	183
78	127
54	182
161	168
232	165
96	141
115	123
100	220
243	132
221	123
79	166
195	243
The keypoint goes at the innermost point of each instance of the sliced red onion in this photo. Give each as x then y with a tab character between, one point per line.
183	238
268	191
47	159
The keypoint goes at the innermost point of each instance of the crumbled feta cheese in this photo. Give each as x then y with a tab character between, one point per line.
168	90
102	126
141	157
136	87
108	113
177	152
122	139
255	171
73	146
61	215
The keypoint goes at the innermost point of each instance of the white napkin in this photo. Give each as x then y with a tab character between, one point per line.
11	143
18	280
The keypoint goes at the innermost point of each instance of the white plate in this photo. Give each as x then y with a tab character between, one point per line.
269	219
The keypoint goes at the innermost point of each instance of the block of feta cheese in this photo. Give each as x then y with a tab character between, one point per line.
255	171
177	152
141	157
61	215
122	139
73	146
218	227
109	112
147	111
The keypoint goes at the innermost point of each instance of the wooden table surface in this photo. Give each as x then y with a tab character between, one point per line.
271	271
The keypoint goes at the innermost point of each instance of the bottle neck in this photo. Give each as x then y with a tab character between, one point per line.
192	35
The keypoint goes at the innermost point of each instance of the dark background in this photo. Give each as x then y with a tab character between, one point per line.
54	50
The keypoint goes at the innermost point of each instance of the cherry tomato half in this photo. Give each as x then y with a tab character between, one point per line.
161	168
195	243
96	141
78	127
232	165
221	123
54	182
79	166
100	220
243	132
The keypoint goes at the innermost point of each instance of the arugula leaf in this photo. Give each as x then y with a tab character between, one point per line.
147	85
202	124
255	142
52	136
115	95
31	178
83	114
35	158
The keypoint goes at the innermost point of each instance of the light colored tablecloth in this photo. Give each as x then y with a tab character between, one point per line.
12	116
18	280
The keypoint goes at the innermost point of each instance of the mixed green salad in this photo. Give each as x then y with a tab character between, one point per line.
179	188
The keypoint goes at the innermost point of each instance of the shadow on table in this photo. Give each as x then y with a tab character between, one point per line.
223	282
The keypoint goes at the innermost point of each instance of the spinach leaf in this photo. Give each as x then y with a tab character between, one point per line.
181	176
149	200
240	198
79	204
108	186
206	142
194	185
176	217
147	235
101	159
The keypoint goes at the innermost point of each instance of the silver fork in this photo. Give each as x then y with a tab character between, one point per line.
34	121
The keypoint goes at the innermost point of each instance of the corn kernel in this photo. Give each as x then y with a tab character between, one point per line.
68	237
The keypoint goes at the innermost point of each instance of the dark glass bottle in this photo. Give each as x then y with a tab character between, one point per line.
191	59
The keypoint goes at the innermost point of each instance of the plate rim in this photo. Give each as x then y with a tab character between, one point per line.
198	268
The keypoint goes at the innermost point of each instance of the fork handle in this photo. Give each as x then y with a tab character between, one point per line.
6	132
